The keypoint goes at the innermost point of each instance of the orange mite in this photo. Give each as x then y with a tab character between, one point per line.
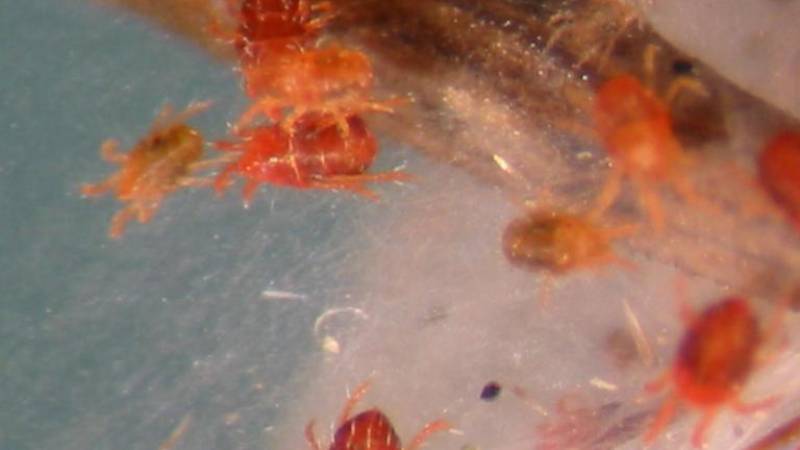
779	170
317	156
714	360
333	80
158	165
557	242
636	130
369	430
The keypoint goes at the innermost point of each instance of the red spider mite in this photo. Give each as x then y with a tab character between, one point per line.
779	171
635	127
332	80
266	27
369	430
156	166
715	358
317	156
558	242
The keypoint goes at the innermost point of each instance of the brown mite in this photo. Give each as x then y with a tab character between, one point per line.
158	165
558	242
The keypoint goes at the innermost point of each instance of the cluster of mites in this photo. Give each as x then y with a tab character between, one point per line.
304	128
311	135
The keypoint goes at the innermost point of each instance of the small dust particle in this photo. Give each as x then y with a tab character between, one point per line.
621	347
331	345
231	418
682	67
603	384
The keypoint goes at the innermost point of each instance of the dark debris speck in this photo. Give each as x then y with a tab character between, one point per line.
682	67
490	391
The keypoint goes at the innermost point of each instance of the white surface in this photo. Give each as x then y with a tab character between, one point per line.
755	44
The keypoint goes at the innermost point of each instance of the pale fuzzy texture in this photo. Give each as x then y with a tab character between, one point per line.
446	313
753	43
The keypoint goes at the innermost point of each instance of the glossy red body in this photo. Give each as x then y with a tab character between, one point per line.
714	360
316	151
717	353
269	27
779	171
636	128
369	430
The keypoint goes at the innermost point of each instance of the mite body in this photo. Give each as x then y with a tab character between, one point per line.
714	360
266	28
159	164
369	430
332	80
635	128
779	172
559	243
316	156
556	242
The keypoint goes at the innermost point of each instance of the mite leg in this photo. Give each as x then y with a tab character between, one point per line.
248	190
146	210
426	431
313	443
162	118
321	21
195	182
687	314
685	189
352	401
682	84
607	195
356	183
663	418
96	189
544	291
192	109
754	407
650	201
109	151
698	435
267	105
659	383
215	27
223	180
168	118
118	222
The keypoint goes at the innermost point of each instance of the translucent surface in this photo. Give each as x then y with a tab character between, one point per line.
752	43
209	311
